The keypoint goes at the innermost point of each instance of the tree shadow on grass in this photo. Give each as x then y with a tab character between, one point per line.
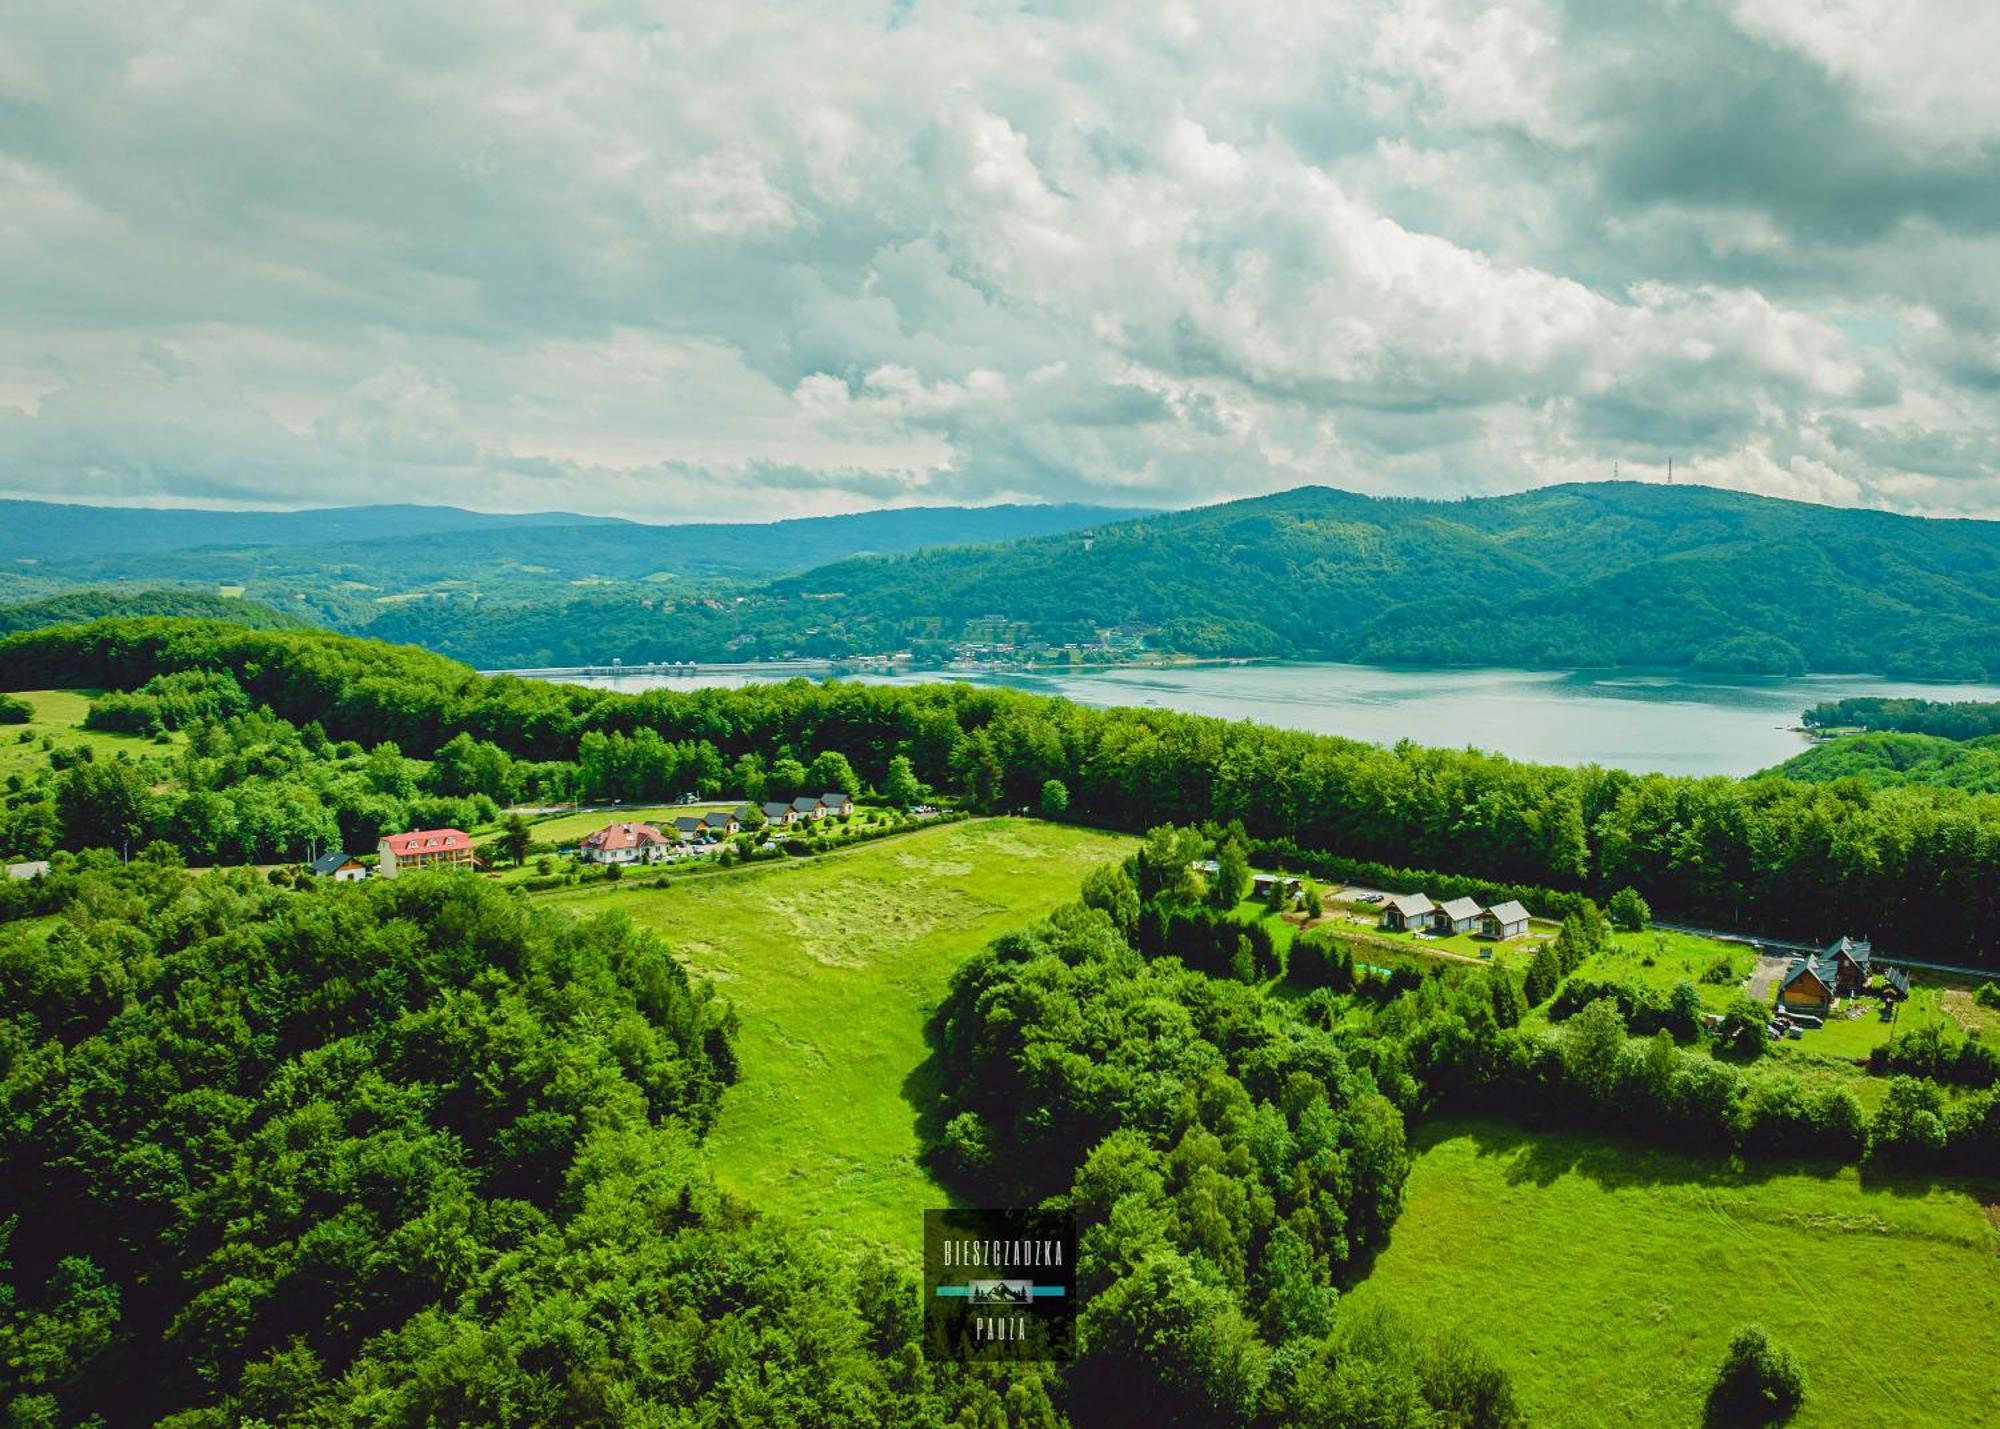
1542	1154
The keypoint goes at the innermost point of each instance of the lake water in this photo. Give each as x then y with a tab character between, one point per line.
1674	723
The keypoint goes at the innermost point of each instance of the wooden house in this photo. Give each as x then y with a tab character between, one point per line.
1808	985
1850	958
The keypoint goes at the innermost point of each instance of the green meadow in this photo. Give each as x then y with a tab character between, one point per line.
1607	1277
834	964
59	716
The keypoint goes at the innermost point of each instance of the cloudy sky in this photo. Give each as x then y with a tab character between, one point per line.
758	259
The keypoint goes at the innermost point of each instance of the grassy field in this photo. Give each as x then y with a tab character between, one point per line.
59	715
833	964
1607	1278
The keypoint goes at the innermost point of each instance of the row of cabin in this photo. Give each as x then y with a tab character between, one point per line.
643	843
1415	913
1814	980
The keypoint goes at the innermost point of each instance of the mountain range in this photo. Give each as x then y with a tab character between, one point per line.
1575	576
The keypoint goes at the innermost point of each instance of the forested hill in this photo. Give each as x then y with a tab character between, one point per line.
1584	575
101	604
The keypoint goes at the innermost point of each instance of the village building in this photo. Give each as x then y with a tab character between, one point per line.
1850	958
720	821
425	848
688	827
1504	921
624	843
340	866
836	805
1895	984
781	815
1456	915
33	868
1808	985
807	806
1262	884
1407	912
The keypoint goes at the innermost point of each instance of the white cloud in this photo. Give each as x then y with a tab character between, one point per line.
749	259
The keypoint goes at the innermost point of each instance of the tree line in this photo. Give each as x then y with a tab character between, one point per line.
1915	868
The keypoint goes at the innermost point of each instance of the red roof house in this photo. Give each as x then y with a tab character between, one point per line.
624	843
425	848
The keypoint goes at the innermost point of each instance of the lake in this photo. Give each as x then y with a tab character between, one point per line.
1674	723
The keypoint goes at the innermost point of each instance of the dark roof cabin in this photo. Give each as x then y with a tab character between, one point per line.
1808	983
1850	958
1895	984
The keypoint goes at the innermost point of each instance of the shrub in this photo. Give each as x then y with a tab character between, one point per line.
1758	1383
1629	911
15	711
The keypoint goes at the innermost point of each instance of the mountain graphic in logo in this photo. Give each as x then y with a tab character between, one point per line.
1001	1292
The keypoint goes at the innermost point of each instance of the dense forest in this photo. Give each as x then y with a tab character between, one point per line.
1944	719
79	606
1881	760
1917	868
402	1153
420	1152
1565	577
1569	576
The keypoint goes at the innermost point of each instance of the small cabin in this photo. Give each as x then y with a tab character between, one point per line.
1503	921
340	866
1455	915
1407	912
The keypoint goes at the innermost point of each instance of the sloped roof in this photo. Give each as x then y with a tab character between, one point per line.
836	799
332	861
687	823
427	841
1459	909
1856	949
775	810
1897	978
1411	905
1820	969
717	819
621	836
1509	912
805	803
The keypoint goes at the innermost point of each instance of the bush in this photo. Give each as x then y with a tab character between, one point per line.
1629	911
1758	1383
1988	995
13	711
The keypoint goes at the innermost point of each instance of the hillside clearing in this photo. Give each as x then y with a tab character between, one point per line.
833	965
1607	1277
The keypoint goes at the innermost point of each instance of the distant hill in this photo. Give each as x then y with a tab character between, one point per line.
1583	575
566	552
47	531
80	606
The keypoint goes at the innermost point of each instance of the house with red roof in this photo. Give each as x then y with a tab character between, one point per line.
624	843
424	848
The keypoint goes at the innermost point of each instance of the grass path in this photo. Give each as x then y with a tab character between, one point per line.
1607	1278
834	964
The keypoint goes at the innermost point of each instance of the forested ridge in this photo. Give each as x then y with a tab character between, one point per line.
1916	868
1578	576
1571	576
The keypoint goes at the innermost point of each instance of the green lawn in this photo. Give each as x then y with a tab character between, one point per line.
833	964
1657	958
1607	1278
59	714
